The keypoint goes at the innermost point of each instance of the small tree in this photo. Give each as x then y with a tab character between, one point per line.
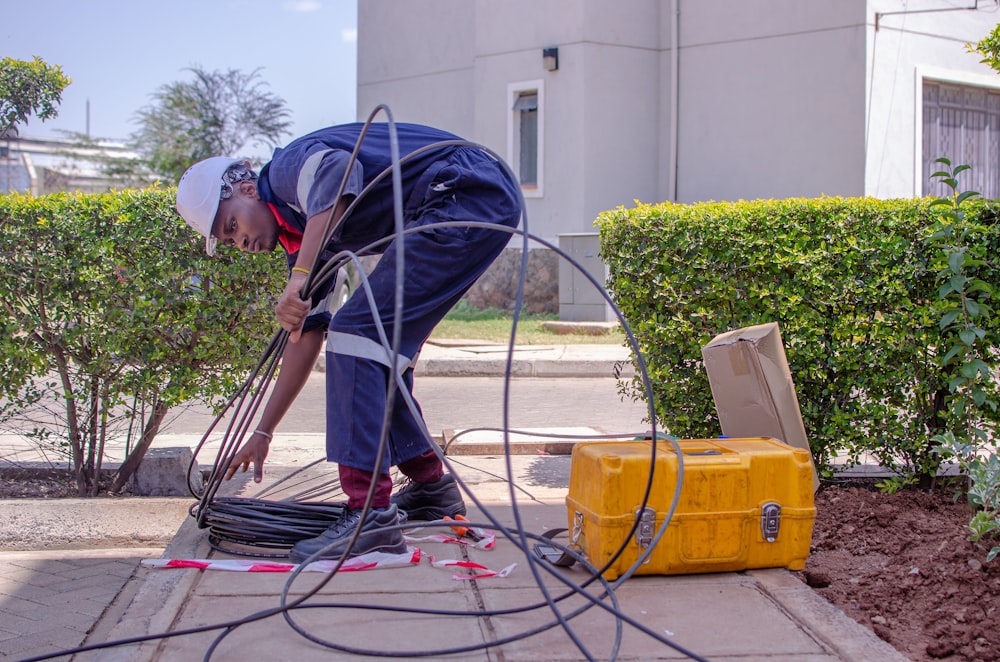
29	88
971	358
989	48
113	314
216	114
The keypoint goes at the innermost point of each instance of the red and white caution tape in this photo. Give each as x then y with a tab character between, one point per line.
481	571
369	561
480	538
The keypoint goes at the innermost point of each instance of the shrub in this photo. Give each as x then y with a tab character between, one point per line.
846	279
114	313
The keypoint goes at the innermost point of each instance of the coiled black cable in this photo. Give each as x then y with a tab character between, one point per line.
259	527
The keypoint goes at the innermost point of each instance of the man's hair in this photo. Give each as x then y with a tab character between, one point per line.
238	172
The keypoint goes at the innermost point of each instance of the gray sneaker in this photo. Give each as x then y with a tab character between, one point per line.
430	501
375	536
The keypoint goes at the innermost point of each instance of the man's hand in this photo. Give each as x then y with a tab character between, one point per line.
254	451
291	310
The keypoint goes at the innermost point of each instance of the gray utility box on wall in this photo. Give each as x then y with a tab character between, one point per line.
579	300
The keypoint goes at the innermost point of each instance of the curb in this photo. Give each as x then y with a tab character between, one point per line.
848	638
459	367
157	600
66	524
469	358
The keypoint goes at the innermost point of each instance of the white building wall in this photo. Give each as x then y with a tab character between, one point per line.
771	99
509	40
621	118
600	113
774	98
417	59
915	40
668	63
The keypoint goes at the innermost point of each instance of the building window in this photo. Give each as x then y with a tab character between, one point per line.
961	123
526	107
524	135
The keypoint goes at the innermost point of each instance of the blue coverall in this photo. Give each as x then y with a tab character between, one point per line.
448	183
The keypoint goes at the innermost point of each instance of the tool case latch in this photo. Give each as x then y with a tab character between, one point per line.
770	520
646	528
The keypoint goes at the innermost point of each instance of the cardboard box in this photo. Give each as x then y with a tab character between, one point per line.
753	388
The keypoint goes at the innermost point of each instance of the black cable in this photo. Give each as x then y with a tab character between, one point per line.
642	371
519	301
272	526
496	524
394	382
532	561
492	524
506	409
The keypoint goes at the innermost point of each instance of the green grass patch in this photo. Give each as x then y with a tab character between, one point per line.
492	325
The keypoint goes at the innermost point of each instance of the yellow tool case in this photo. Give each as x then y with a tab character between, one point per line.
744	503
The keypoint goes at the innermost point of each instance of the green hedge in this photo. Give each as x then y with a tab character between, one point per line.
113	310
847	281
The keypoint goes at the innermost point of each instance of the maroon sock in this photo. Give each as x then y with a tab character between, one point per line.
355	483
424	468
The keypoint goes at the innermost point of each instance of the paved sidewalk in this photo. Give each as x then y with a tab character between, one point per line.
67	564
50	600
757	615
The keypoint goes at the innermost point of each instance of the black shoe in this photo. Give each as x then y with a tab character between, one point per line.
374	536
430	501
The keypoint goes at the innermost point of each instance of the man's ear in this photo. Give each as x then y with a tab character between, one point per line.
248	187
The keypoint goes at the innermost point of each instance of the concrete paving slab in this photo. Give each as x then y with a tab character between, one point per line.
384	629
720	616
389	580
508	553
588	360
532	441
684	600
713	617
538	479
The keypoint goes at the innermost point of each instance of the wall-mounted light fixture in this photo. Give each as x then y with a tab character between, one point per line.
550	59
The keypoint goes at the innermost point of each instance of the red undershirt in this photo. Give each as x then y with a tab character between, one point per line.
289	237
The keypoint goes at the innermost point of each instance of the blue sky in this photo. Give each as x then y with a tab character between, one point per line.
118	52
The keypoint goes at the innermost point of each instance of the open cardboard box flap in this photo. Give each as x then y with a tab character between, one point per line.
752	386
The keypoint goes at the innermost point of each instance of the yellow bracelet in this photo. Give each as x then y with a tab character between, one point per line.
301	270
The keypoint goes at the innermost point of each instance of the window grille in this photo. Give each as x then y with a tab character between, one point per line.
962	124
526	106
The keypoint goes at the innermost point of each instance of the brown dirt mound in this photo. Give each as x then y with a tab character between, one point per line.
902	565
18	483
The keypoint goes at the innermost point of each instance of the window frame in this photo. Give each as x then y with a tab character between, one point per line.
942	77
514	92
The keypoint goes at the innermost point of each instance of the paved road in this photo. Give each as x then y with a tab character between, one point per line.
451	403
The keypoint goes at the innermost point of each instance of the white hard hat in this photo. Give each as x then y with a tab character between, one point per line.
199	193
